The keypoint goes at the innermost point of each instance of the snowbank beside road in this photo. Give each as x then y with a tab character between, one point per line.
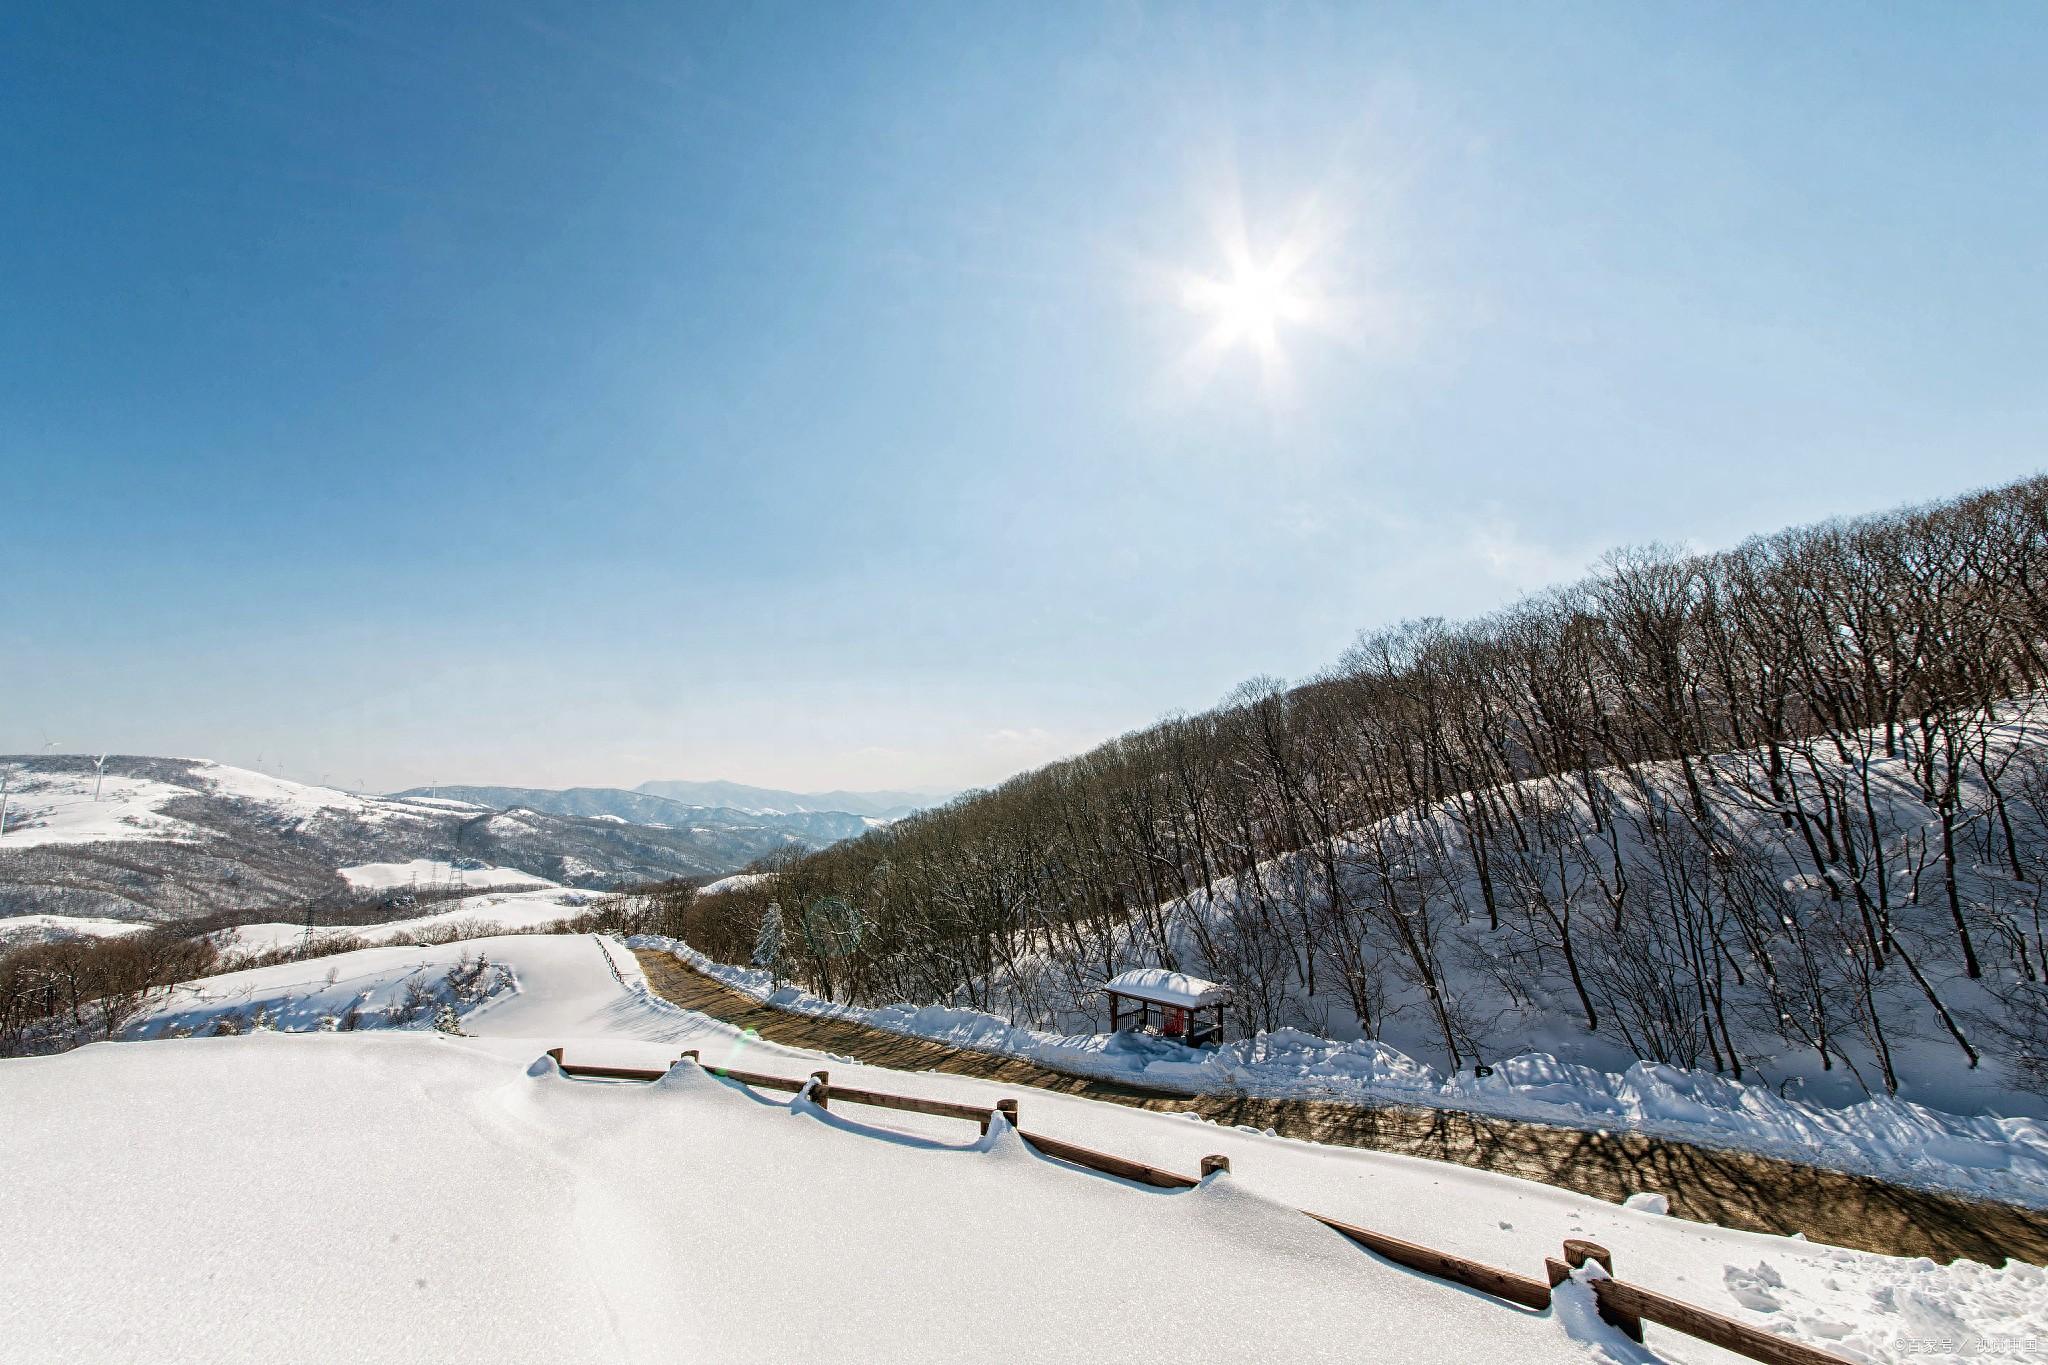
1987	1156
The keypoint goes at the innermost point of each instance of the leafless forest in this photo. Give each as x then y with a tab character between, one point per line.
1787	801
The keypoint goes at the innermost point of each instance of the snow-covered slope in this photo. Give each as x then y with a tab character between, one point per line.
67	801
1784	956
470	916
450	1188
738	881
19	929
434	873
1989	1155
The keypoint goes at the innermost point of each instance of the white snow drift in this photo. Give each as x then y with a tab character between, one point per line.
377	1197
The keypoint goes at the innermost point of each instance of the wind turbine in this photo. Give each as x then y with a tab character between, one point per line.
99	775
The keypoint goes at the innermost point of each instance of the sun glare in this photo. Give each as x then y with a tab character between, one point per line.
1272	288
1249	306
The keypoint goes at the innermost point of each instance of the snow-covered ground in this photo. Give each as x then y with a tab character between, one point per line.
432	873
738	881
36	928
440	1201
479	1207
63	808
470	916
1989	1156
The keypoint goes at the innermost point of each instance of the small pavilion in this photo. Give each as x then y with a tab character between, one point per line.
1179	998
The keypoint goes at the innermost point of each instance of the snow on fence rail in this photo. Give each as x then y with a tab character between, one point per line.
1622	1305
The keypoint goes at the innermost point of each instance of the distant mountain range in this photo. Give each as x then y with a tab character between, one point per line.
164	839
814	826
883	805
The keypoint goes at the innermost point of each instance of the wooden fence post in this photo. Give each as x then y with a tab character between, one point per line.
689	1056
1008	1109
1212	1164
1578	1251
556	1053
821	1089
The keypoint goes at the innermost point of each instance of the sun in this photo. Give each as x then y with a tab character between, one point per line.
1248	305
1273	293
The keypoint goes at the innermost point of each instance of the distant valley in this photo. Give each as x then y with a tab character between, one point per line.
814	826
157	840
883	805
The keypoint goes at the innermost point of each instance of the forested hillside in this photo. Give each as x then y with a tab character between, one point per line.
1778	810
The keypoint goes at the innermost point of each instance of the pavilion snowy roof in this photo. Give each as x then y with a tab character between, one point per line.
1163	987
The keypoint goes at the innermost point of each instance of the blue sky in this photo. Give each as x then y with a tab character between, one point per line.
826	395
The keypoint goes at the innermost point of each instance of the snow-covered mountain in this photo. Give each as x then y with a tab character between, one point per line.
816	827
159	839
883	805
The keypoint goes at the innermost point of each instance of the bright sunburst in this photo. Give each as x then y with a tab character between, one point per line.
1259	299
1249	305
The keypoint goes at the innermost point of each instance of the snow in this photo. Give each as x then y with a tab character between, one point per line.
1542	1018
739	881
15	928
1989	1156
1163	987
471	915
371	989
298	797
436	803
479	1211
248	940
47	808
429	872
58	808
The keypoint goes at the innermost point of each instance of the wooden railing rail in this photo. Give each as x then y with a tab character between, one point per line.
1525	1290
911	1104
1107	1164
1622	1305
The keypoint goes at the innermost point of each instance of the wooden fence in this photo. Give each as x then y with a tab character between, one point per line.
1623	1305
